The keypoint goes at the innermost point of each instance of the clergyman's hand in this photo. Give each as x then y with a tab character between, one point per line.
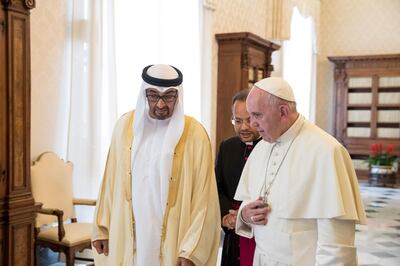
229	220
256	212
184	262
101	246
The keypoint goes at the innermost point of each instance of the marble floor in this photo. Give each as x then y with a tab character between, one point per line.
378	242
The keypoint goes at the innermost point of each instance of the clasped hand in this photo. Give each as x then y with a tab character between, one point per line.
229	220
256	212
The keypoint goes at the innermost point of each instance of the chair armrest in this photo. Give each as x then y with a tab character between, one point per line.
59	214
89	202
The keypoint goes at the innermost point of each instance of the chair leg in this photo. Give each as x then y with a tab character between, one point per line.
70	257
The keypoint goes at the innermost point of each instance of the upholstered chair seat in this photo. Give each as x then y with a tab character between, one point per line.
56	225
75	234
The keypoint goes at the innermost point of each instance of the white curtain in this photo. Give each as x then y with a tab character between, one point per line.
207	38
279	16
296	22
298	63
93	105
157	31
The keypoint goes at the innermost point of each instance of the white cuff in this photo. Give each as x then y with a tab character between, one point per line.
242	228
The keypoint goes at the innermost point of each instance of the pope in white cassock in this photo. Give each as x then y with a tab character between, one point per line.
300	194
158	203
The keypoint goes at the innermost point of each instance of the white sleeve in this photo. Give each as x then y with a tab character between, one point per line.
336	243
242	228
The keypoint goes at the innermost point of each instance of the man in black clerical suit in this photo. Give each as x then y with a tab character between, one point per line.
232	156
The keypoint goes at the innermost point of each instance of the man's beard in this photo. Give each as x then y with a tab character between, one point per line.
161	113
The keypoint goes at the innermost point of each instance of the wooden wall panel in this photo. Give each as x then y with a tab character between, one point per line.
17	209
2	243
3	108
19	235
19	102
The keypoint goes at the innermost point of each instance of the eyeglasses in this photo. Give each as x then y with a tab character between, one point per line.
168	98
236	121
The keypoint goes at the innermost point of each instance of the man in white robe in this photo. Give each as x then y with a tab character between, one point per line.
158	204
300	194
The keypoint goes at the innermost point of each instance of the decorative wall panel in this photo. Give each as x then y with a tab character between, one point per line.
17	209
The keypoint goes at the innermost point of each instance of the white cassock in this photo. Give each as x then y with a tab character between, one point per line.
314	198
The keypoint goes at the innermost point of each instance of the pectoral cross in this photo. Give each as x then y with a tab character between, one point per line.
266	194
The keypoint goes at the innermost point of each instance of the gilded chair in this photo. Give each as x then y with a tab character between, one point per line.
56	225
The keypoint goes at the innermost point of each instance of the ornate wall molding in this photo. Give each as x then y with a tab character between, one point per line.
369	64
340	73
367	61
27	4
30	4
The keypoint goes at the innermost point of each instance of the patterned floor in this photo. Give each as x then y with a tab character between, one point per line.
378	242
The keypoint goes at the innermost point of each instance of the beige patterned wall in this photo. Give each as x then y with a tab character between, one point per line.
239	15
50	35
352	27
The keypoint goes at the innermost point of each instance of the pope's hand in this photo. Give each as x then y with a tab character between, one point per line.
256	212
101	246
184	262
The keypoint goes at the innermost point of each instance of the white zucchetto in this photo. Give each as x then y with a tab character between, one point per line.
277	87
